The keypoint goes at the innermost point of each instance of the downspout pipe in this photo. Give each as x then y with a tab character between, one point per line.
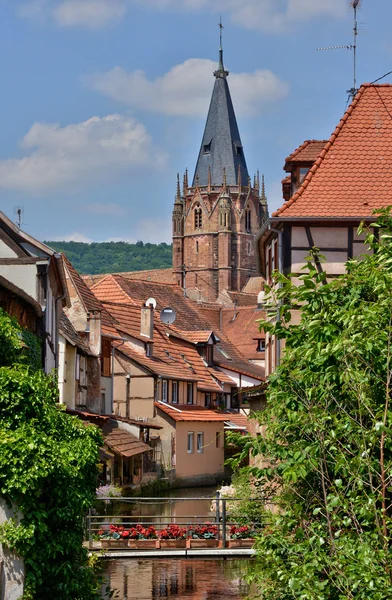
280	269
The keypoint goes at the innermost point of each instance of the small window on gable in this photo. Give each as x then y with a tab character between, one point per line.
207	148
238	150
260	346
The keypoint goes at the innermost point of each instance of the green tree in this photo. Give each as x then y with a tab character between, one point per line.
48	470
328	442
111	257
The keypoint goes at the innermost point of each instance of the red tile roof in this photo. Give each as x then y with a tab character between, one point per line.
158	275
184	412
243	299
239	420
253	285
307	152
353	174
121	441
109	290
243	330
90	302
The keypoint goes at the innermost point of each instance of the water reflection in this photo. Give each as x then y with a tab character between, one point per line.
177	578
166	508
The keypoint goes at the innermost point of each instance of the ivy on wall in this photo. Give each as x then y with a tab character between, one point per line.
48	470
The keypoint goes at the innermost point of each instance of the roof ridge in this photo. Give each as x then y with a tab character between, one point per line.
323	153
144	280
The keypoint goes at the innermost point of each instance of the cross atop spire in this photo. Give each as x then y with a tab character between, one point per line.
221	72
221	146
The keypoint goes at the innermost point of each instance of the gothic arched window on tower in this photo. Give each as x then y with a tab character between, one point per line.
198	217
248	220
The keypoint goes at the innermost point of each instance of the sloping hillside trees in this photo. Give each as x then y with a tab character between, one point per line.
48	470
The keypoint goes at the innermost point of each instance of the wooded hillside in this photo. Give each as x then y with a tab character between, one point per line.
114	257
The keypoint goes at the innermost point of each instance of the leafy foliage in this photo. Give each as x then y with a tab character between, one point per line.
18	344
327	451
115	257
48	471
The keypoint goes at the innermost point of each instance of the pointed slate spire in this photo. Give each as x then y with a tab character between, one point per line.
178	199
221	147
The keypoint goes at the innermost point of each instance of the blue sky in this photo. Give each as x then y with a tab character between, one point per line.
103	101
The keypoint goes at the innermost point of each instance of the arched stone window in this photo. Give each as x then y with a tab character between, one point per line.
198	216
248	216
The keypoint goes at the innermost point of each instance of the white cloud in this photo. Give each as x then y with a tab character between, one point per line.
78	153
73	237
111	209
93	14
150	230
186	88
271	16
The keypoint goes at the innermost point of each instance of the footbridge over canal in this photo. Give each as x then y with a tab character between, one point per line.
204	527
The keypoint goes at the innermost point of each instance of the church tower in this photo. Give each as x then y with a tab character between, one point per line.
215	220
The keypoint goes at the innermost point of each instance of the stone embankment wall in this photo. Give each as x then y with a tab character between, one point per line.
11	565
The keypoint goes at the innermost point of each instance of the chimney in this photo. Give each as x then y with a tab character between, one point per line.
147	322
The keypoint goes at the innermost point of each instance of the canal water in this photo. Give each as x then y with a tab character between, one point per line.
150	579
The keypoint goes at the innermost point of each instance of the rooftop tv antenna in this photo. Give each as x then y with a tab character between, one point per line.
355	4
19	212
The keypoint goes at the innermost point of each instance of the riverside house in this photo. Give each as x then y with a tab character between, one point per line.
331	188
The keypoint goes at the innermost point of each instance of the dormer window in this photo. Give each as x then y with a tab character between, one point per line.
238	149
207	148
198	216
260	346
303	171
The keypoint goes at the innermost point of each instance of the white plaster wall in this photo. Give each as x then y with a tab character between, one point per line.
24	276
11	566
6	251
241	380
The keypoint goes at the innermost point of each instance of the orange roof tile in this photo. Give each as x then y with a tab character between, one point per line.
243	330
158	275
109	290
90	302
352	175
307	152
253	285
183	412
239	420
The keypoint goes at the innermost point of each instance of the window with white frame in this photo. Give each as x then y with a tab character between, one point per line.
200	442
164	391
191	436
174	392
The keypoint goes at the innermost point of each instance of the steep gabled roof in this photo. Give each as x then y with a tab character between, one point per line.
90	302
221	147
353	173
